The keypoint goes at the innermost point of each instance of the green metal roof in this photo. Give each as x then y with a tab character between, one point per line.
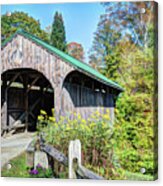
74	62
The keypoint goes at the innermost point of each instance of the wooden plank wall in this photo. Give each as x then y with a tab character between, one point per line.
85	101
23	53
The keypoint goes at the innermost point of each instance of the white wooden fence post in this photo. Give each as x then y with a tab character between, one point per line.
74	152
40	157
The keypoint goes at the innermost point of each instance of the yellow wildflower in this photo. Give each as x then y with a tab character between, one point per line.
52	119
106	116
83	121
43	112
40	118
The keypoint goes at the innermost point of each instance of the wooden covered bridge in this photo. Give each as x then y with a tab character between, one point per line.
35	76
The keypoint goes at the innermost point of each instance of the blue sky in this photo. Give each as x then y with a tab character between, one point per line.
80	19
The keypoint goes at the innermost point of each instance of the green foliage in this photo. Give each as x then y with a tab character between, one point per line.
132	19
58	35
138	177
20	20
18	168
105	40
95	135
76	50
130	60
41	172
134	127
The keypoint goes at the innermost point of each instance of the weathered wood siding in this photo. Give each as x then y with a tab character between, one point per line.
22	53
85	101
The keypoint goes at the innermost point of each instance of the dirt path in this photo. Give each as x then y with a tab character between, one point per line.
14	145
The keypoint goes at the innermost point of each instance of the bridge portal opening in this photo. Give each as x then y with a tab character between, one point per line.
24	92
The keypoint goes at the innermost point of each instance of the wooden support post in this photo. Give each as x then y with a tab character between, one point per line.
79	171
42	97
74	152
6	87
57	103
6	102
26	102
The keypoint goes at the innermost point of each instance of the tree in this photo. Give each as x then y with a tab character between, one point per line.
132	19
58	35
48	30
125	43
11	22
135	124
76	50
105	40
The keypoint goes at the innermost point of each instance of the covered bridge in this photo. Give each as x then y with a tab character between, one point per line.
36	75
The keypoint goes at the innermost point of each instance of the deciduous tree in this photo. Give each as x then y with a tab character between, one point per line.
76	50
125	45
11	22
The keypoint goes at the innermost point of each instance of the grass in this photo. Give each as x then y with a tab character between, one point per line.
18	168
139	176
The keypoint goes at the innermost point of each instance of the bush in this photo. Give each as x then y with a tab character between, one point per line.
134	132
95	135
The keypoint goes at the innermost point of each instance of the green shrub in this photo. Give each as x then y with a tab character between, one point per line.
95	134
134	132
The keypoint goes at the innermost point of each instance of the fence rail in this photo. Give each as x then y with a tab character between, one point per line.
54	153
85	173
76	170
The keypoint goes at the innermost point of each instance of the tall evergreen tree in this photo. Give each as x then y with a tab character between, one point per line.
58	35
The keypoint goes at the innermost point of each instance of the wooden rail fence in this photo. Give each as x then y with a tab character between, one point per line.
75	169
